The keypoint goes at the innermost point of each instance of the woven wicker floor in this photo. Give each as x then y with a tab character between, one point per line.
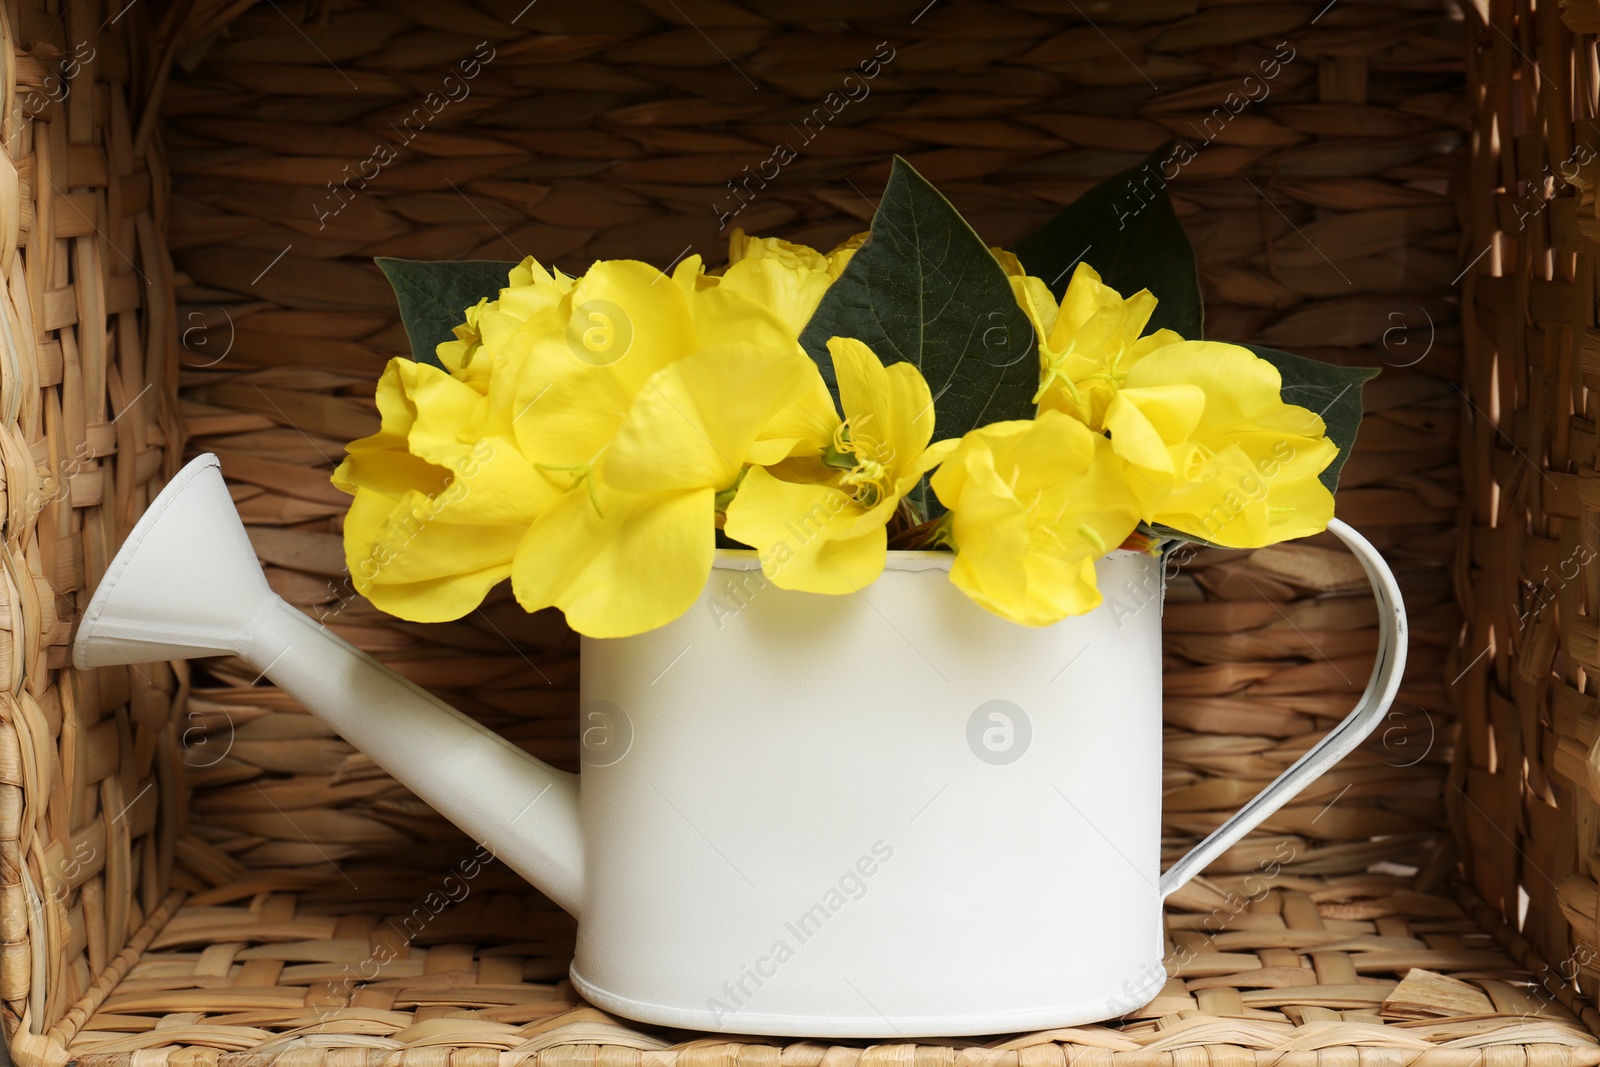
1307	973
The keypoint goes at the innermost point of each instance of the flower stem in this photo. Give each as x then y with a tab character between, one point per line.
935	533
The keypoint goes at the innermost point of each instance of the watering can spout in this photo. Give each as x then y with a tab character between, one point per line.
186	583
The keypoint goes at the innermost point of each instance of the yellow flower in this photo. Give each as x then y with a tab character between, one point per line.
443	497
1033	504
788	279
568	450
531	293
443	493
819	520
1213	449
643	440
1087	344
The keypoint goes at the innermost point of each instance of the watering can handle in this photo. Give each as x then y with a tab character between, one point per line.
1341	740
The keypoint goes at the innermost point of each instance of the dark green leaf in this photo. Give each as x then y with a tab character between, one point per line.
433	297
1126	230
924	289
1331	391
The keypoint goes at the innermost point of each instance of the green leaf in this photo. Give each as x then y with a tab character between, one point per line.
433	297
1331	391
925	289
1126	230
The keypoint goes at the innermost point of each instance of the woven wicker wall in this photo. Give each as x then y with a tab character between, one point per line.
1525	790
587	129
602	128
90	804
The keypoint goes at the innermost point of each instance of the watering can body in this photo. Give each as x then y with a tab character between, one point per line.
882	815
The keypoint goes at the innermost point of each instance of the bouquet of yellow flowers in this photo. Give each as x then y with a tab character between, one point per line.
596	439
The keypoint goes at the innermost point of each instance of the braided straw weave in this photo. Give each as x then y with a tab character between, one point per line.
1524	792
89	792
602	129
203	873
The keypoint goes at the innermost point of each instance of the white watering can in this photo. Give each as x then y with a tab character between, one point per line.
883	815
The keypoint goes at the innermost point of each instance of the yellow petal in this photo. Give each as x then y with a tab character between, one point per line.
743	247
839	258
438	600
690	274
1298	508
569	401
1084	296
391	473
497	484
1238	384
807	535
622	322
889	406
790	291
803	427
1009	263
990	525
425	542
535	301
1246	501
1036	300
396	412
931	457
446	410
1149	343
636	567
725	317
1144	422
655	325
694	423
1061	588
403	554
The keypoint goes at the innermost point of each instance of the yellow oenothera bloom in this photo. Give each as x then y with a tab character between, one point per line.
788	279
443	497
1214	451
1088	342
1033	504
643	437
819	519
443	492
531	294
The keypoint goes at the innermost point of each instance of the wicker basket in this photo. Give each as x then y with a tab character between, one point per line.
195	871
